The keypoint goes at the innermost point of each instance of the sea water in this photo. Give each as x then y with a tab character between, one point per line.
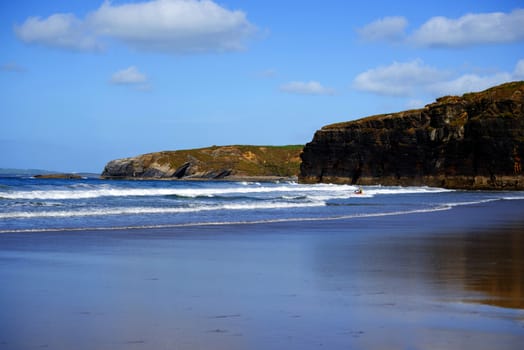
322	268
31	204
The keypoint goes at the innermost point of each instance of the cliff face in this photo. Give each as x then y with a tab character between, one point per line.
475	141
225	162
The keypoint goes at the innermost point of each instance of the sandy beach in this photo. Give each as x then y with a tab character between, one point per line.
443	280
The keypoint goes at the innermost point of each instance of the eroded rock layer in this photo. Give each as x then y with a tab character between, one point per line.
475	141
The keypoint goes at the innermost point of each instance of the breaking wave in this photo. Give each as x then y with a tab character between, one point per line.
31	204
104	191
153	210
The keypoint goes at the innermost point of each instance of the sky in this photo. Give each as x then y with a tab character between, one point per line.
87	81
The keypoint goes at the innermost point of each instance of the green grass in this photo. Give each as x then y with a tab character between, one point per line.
244	160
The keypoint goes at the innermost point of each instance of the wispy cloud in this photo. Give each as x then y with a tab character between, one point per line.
471	29
267	73
130	76
62	30
411	79
467	83
12	67
306	88
171	26
397	79
384	29
468	30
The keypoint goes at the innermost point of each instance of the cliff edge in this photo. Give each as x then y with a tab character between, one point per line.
475	141
217	162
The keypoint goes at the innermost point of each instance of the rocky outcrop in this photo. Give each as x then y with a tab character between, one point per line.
475	141
60	176
217	162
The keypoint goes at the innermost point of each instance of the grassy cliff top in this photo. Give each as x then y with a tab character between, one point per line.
243	160
507	91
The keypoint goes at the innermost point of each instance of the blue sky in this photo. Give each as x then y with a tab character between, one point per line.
87	81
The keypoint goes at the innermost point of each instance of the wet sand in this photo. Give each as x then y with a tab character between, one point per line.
444	280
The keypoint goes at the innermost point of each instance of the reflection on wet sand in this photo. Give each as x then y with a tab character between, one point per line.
484	266
490	262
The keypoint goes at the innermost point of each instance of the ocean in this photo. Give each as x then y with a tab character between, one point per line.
115	265
30	204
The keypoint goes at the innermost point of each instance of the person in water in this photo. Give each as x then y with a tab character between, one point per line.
358	191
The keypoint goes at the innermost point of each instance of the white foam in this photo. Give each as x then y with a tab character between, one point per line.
374	190
322	191
182	192
225	223
513	198
155	210
480	201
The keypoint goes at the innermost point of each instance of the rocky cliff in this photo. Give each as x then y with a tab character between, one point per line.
217	162
475	141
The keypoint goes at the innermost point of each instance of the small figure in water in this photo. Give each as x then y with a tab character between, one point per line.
358	191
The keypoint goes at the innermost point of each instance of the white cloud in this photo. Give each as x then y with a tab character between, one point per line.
468	83
61	30
415	78
468	30
397	79
471	29
172	26
384	29
306	88
129	76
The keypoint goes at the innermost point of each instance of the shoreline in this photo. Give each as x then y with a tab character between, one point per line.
449	279
456	182
231	223
340	220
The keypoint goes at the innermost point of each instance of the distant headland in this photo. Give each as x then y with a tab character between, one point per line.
473	141
238	162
